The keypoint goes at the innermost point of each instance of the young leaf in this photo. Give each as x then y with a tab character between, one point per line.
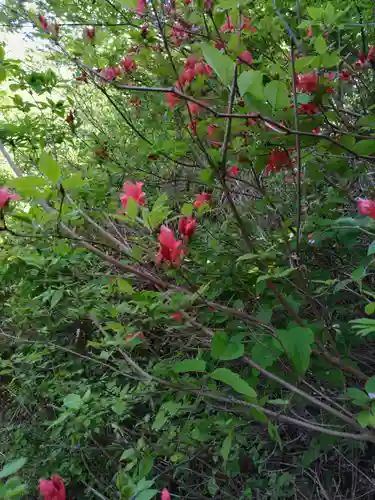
357	396
226	446
221	63
12	467
320	45
73	401
49	167
370	385
251	81
190	365
234	380
297	342
124	286
276	92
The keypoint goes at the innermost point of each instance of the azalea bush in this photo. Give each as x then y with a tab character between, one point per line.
187	241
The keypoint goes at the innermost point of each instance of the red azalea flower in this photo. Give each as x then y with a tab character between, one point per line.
190	62
366	207
141	6
246	57
90	33
316	130
233	170
6	196
345	76
309	108
308	82
310	31
165	495
128	64
110	73
202	68
187	2
220	44
170	248
171	99
201	199
133	191
227	27
52	489
187	226
43	23
177	316
246	25
179	33
329	90
331	75
195	108
277	160
208	4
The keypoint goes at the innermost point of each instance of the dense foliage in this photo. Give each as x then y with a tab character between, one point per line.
187	250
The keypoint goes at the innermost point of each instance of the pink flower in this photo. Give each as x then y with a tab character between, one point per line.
195	108
177	316
316	130
165	495
233	170
52	489
219	44
110	73
190	62
277	160
141	6
170	248
308	82
43	23
6	196
246	25
187	2
90	33
227	27
128	64
310	108
201	199
345	76
187	226
366	207
171	99
310	31
246	56
331	75
202	68
363	60
133	191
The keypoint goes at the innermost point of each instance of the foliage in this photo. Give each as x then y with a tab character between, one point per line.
186	281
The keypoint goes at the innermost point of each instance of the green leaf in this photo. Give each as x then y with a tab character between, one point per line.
74	181
304	63
132	208
226	348
12	467
190	365
130	4
226	446
146	495
49	167
363	418
320	45
27	182
371	248
315	13
276	92
124	286
73	401
252	82
234	380
56	297
370	308
359	273
365	147
370	385
357	396
222	64
297	343
187	209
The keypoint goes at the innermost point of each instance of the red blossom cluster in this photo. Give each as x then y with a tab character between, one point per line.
179	33
277	160
228	26
213	135
246	57
90	33
307	82
366	207
6	196
187	227
133	191
310	108
127	65
233	171
52	29
364	60
52	489
170	249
